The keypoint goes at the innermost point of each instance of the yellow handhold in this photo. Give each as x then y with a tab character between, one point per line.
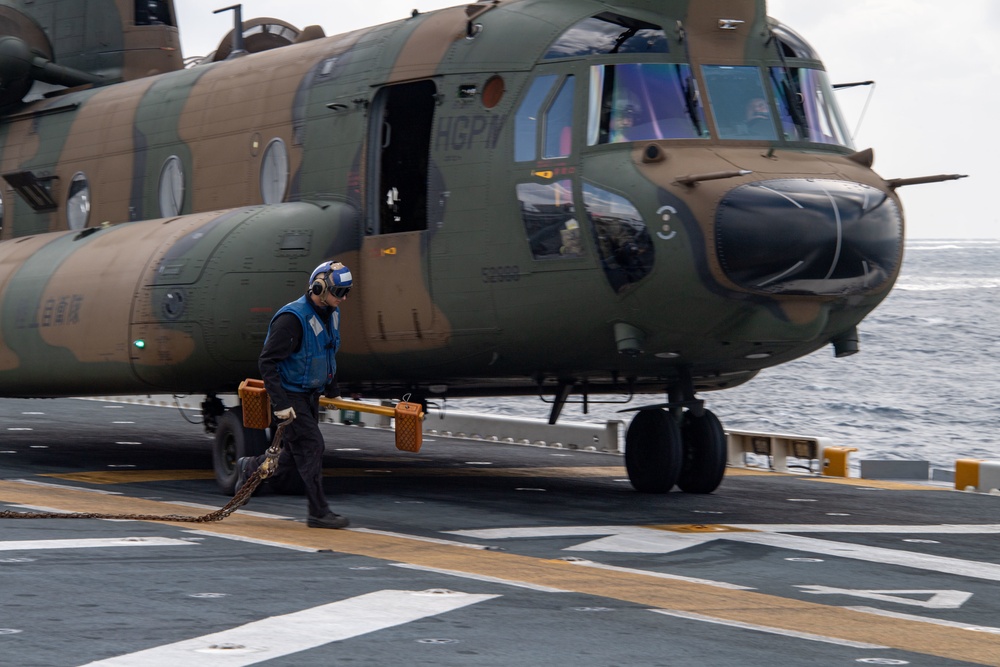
409	419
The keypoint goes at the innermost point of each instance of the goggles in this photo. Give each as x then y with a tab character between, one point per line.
340	292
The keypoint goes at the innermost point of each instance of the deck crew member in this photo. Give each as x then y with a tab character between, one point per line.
298	364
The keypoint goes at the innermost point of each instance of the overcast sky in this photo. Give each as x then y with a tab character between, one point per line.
936	66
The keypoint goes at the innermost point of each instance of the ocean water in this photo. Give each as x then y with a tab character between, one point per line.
925	385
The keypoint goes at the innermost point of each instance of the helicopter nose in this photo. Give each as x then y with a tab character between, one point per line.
808	236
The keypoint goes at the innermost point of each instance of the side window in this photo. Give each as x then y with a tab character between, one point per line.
549	218
559	123
526	119
621	237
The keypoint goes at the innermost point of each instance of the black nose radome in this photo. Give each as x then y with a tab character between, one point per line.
806	236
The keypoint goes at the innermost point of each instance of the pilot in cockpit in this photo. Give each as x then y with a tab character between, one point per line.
758	119
623	117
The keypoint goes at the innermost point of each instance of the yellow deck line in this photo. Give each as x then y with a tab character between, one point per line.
736	605
568	472
139	476
132	476
883	484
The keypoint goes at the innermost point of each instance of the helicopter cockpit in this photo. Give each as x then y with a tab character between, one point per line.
643	101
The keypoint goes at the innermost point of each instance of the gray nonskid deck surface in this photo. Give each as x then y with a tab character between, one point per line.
471	554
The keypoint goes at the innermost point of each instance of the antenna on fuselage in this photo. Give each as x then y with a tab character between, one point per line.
239	46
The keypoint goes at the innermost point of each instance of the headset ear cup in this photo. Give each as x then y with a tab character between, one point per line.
318	287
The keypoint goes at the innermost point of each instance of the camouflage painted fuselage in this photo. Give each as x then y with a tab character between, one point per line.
487	249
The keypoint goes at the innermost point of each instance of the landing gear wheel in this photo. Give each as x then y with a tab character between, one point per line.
653	451
233	441
704	453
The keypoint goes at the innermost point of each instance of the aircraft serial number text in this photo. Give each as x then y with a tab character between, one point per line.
501	274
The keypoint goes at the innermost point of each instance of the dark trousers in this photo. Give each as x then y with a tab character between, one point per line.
302	450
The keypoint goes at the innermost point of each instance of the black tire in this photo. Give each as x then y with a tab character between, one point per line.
653	452
704	453
233	441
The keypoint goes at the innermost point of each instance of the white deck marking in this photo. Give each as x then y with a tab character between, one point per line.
768	629
912	559
419	538
481	577
92	543
262	515
662	540
253	540
936	529
663	575
64	487
622	539
924	619
278	636
934	599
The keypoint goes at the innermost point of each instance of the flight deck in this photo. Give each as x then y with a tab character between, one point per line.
472	553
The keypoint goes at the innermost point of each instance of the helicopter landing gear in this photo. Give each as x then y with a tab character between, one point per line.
704	453
233	441
660	454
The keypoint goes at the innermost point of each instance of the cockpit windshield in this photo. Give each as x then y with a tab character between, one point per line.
643	101
636	102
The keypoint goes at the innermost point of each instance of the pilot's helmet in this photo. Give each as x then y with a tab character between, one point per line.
625	107
332	277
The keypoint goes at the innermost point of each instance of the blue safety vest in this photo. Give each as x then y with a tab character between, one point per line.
313	366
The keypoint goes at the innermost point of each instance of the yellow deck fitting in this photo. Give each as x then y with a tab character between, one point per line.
835	460
977	475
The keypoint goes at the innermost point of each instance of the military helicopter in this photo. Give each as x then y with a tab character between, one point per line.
552	197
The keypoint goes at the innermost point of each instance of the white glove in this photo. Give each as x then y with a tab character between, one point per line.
287	413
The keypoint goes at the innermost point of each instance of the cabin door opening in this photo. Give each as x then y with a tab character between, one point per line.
398	310
400	148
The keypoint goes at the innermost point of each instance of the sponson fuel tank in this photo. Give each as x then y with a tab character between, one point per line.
180	300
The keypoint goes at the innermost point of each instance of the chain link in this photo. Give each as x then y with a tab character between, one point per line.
266	469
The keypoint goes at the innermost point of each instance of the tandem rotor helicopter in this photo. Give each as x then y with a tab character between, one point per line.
552	197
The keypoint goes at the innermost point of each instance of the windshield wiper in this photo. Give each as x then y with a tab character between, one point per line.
790	91
690	100
622	38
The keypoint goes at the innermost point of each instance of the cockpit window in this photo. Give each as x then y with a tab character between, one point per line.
807	108
526	119
546	110
559	123
609	33
738	102
640	102
549	218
